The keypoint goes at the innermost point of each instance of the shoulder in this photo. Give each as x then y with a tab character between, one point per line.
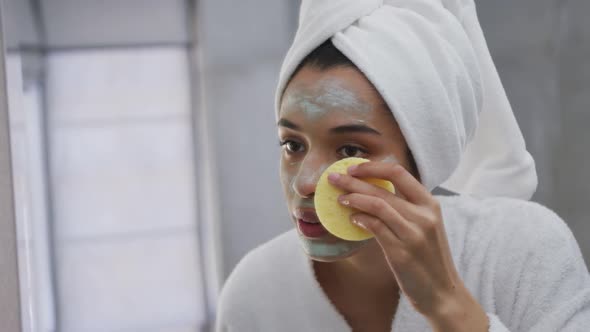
506	219
527	258
510	241
507	236
253	275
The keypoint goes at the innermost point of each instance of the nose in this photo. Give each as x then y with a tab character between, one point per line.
306	180
304	186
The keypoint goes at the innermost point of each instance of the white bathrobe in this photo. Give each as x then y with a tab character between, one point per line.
518	259
429	61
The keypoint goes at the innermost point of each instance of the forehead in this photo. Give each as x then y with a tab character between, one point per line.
317	92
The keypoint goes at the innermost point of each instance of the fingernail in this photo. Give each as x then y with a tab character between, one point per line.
352	168
358	223
333	176
344	201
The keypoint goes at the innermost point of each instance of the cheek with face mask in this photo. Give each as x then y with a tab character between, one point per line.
299	180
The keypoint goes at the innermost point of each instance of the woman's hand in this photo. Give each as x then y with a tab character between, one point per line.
409	228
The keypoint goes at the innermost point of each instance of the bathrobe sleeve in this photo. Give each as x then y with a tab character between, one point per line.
545	286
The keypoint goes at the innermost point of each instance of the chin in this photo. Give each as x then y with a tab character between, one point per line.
331	259
330	249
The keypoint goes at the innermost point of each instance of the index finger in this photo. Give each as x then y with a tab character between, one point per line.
403	181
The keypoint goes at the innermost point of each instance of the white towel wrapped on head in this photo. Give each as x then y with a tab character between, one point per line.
429	61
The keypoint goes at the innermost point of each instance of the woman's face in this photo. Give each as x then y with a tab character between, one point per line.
327	115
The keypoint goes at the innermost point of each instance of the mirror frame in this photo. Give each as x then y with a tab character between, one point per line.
10	311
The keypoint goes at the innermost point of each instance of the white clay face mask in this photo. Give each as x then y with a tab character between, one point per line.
325	96
319	249
330	251
390	159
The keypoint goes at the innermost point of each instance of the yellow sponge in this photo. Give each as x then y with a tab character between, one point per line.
334	216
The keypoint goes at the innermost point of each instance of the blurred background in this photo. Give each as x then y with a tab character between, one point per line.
144	153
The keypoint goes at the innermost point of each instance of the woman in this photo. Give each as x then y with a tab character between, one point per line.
404	84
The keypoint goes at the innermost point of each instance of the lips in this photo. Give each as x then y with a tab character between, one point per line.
308	216
309	224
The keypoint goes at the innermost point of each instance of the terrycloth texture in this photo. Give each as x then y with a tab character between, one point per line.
429	61
518	259
496	161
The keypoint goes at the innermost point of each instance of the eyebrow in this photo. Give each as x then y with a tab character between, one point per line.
288	124
354	128
350	128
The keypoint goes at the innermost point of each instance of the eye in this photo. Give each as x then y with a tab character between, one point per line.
291	146
352	151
